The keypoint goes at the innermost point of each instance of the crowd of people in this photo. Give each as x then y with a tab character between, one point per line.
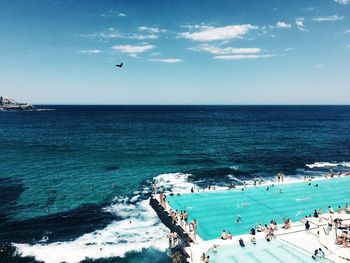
181	218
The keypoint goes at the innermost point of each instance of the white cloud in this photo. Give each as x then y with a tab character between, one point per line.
343	2
289	49
110	33
151	29
166	60
208	33
201	26
283	25
224	51
349	46
132	49
112	13
90	51
328	18
347	31
239	57
300	24
143	37
121	14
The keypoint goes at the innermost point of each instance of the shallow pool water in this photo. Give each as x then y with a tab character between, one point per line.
218	210
276	251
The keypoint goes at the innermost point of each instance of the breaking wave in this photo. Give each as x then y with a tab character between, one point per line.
139	229
327	164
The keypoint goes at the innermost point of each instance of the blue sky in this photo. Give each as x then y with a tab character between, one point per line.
176	52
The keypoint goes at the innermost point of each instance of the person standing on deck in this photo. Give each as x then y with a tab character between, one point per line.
185	216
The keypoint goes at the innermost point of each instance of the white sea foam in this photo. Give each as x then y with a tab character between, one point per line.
140	229
327	164
176	182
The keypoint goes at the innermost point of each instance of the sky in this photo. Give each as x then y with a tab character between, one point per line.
175	52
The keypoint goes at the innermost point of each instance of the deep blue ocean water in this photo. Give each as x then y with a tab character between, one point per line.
64	172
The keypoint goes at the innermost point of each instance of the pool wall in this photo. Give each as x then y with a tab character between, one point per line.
168	222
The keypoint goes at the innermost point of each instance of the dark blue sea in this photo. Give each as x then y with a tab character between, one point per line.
75	180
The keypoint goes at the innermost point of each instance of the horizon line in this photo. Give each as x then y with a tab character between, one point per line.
69	104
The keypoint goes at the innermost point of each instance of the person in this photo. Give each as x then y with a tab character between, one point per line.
330	223
265	228
347	209
252	231
287	224
315	255
267	188
307	225
241	242
321	253
340	210
185	216
207	259
253	240
194	227
330	210
192	190
260	228
223	235
202	258
229	235
214	248
170	238
315	213
267	237
238	220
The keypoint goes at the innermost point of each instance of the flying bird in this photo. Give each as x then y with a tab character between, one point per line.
120	65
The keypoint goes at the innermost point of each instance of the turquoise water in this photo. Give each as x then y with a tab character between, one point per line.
218	210
276	251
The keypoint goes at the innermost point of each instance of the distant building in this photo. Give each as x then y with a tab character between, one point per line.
7	103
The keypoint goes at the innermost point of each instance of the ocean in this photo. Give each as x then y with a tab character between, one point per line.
75	180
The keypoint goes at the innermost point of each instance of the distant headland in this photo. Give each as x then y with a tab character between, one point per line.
7	103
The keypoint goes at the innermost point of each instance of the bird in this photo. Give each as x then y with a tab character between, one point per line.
120	65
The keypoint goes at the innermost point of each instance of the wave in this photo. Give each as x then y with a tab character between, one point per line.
139	229
44	109
327	164
176	182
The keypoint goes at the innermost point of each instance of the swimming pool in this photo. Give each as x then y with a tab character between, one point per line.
276	251
218	210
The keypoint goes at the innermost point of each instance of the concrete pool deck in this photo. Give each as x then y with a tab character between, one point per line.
296	235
